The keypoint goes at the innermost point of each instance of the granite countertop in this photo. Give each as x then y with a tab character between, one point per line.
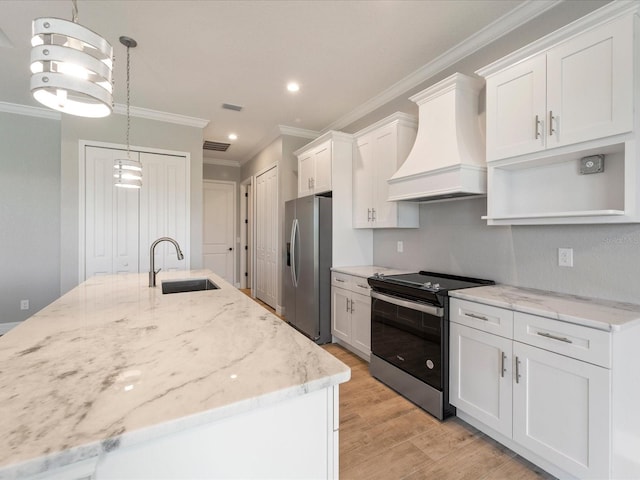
368	270
114	362
594	313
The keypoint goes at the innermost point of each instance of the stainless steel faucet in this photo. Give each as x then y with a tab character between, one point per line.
152	271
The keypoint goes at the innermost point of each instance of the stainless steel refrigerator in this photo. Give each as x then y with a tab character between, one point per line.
306	275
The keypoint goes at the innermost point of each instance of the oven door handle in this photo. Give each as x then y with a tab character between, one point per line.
421	307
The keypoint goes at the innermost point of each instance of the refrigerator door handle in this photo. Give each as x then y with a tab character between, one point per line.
294	259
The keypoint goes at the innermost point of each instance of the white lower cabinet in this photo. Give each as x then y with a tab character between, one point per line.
351	313
553	409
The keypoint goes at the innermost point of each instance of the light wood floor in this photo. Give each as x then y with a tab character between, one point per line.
384	436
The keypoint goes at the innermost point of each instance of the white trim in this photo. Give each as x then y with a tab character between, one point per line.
235	223
5	327
218	161
330	135
517	17
608	12
30	111
277	132
398	117
167	117
82	144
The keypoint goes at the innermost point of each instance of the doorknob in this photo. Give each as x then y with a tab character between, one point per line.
230	248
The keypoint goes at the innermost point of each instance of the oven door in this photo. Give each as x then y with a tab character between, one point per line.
409	335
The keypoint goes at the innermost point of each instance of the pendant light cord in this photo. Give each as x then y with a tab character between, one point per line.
74	11
128	103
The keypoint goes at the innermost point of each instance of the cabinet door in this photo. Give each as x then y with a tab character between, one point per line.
322	175
561	410
589	85
515	100
362	182
480	381
305	174
385	160
361	322
340	315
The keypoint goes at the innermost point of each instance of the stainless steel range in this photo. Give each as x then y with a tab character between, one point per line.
410	335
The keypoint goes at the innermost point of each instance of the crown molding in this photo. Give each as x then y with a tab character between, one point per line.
167	117
500	27
221	162
278	131
30	111
297	132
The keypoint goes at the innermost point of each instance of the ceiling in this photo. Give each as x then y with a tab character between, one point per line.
193	56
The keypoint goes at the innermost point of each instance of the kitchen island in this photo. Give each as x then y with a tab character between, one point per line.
115	379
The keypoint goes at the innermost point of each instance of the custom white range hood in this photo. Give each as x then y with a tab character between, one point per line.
447	160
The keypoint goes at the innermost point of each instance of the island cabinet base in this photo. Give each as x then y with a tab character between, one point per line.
292	439
297	438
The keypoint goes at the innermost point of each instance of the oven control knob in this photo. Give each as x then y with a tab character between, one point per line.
427	285
436	286
430	364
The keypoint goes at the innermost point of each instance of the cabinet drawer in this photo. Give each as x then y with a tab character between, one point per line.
341	280
498	321
350	282
575	341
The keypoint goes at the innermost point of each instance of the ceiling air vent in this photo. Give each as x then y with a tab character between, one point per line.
215	146
231	106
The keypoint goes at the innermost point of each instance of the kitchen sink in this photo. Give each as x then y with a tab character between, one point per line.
189	285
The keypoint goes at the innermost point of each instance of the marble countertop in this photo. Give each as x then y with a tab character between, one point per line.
114	362
594	313
368	270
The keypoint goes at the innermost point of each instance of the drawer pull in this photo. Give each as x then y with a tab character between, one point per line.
363	286
479	317
340	280
553	337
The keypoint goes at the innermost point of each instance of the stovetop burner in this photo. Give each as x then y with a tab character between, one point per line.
423	285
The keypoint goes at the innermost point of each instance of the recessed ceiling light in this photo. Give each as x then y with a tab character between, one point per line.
293	87
232	136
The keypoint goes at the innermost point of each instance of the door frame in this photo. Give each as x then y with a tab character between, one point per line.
82	144
276	219
234	242
246	234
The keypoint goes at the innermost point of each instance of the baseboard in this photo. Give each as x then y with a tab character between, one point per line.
5	327
279	310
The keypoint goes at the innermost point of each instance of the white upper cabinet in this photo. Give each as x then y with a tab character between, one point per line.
561	134
378	152
314	170
580	90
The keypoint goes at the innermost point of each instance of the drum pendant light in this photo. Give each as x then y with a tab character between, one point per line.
71	67
128	173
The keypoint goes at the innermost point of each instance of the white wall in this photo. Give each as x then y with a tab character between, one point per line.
453	239
112	129
29	214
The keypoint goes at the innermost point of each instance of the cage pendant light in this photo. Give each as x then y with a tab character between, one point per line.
71	67
128	172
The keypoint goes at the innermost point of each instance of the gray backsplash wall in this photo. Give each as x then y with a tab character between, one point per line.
453	239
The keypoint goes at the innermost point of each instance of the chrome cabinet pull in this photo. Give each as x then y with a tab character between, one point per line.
551	129
340	280
517	370
347	305
363	286
313	182
368	214
537	129
373	214
351	310
553	337
502	368
479	317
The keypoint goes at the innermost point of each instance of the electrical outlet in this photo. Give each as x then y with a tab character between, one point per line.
400	246
24	304
565	257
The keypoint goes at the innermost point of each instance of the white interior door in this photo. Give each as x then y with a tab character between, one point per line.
118	225
111	217
267	236
164	210
219	208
